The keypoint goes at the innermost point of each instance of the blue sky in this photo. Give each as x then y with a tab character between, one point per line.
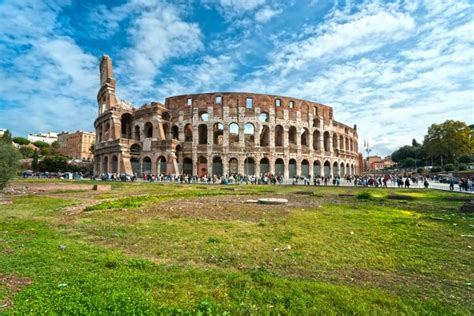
392	68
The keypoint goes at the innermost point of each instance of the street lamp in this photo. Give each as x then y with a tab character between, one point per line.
368	150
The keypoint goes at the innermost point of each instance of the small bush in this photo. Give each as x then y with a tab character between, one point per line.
448	167
462	167
436	169
364	195
420	170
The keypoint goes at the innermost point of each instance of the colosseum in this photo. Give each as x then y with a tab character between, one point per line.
220	133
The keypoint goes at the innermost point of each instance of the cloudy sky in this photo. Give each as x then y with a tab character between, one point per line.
392	68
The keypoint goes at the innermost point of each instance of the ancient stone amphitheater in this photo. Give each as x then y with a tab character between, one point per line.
220	133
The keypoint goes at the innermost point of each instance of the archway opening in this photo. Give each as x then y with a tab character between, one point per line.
327	169
187	166
316	168
292	135
264	166
174	132
292	168
202	131
249	166
279	167
126	123
279	133
188	133
264	136
202	166
305	168
114	163
233	133
148	130
146	165
217	167
233	166
218	131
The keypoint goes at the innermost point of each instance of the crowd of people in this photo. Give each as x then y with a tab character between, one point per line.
387	180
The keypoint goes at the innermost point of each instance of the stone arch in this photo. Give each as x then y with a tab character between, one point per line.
342	169
249	134
218	133
203	116
279	134
105	164
135	149
347	144
166	130
202	166
137	132
162	165
292	168
264	165
316	123
217	167
187	166
304	137
148	130
335	169
316	168
249	166
304	168
317	140
146	165
174	132
135	162
188	133
263	117
107	131
335	141
126	125
166	116
202	133
292	134
327	168
264	136
233	166
327	141
234	133
352	145
279	167
114	164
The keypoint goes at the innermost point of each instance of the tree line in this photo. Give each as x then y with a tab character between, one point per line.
447	146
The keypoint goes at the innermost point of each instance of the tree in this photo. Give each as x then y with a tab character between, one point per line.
9	160
26	152
449	140
55	147
21	141
7	137
40	144
465	158
406	152
414	143
92	148
35	164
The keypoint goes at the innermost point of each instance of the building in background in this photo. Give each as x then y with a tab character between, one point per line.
376	163
76	145
220	133
49	137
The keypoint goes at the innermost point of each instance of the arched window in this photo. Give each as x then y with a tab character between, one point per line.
327	145
264	136
126	123
148	130
218	134
249	103
203	116
188	133
233	133
292	134
249	133
279	167
166	116
304	137
263	117
316	140
202	131
175	132
291	104
137	132
279	133
277	103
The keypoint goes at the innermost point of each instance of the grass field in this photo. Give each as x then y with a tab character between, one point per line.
148	248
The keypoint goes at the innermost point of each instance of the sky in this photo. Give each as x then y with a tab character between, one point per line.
391	67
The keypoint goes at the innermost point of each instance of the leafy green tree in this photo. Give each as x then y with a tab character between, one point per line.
40	144
448	167
35	164
466	159
26	152
449	140
21	141
55	147
7	137
9	161
54	164
414	143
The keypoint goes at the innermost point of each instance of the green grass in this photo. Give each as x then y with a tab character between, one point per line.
172	249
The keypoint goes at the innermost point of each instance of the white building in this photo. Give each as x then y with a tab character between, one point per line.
48	137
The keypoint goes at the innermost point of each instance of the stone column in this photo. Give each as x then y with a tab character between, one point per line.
286	174
272	165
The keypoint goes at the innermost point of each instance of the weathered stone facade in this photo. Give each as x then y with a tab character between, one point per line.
220	133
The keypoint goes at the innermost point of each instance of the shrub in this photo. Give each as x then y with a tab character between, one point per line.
21	141
448	167
9	161
420	170
462	167
436	169
364	195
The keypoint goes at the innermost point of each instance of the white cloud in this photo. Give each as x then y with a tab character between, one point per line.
265	14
